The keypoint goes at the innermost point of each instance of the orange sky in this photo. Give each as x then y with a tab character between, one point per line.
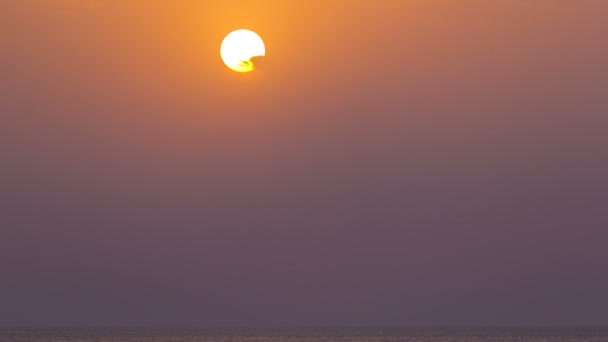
330	46
425	149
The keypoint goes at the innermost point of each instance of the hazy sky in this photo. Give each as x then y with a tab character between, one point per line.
396	162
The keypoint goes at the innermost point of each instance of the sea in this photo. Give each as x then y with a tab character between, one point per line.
438	334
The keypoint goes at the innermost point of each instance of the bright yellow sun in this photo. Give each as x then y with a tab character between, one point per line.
239	47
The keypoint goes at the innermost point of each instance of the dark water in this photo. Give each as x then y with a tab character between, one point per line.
312	335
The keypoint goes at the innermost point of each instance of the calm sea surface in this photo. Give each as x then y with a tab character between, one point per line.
312	335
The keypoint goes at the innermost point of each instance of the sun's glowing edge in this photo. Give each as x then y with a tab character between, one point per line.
239	48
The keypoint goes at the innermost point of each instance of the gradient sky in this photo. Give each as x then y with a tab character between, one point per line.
396	162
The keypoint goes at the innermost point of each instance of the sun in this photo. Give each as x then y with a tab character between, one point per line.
239	47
